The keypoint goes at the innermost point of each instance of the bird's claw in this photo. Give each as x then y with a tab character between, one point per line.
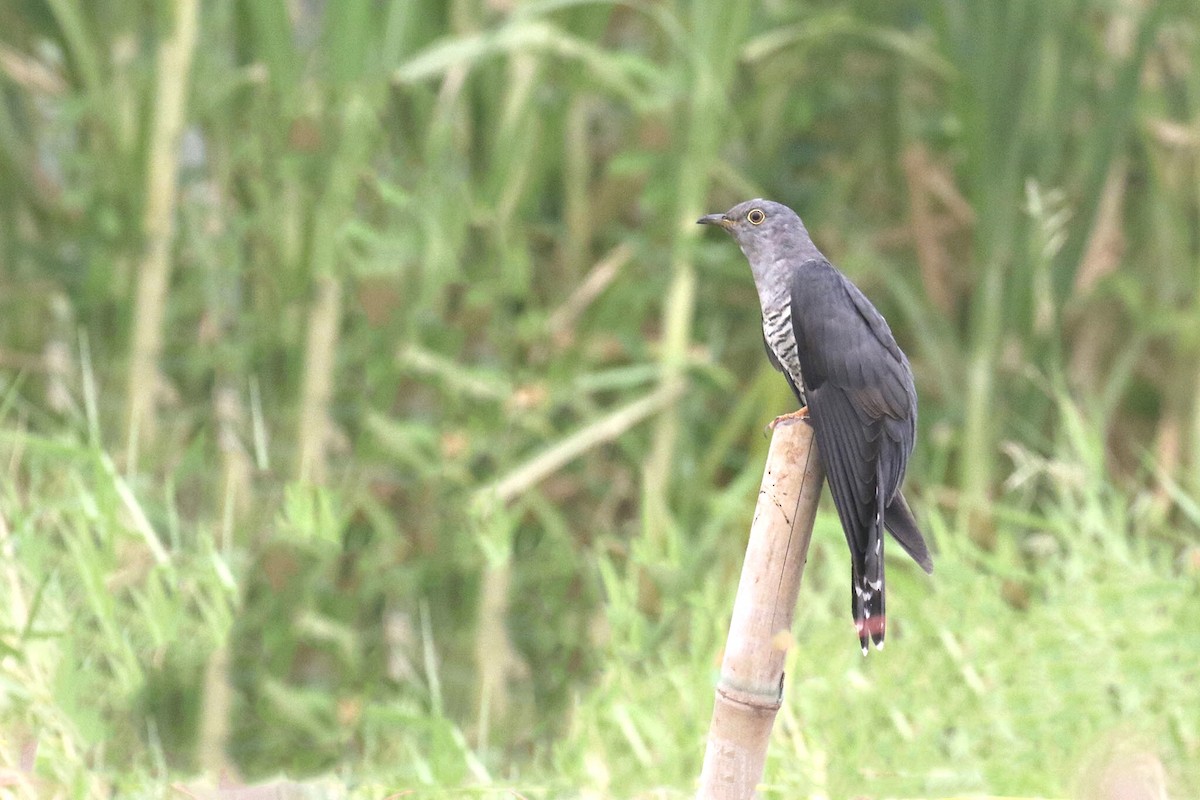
788	419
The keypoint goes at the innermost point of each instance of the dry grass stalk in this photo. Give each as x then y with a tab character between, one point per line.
577	167
236	466
154	273
750	688
29	73
496	659
928	181
1106	242
1168	450
215	714
676	340
1101	257
563	320
324	321
553	458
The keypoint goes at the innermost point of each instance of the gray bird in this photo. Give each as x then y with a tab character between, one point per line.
837	352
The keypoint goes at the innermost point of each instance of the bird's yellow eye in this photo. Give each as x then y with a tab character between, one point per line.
756	216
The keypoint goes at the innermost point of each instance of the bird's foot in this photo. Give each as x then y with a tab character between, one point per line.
788	419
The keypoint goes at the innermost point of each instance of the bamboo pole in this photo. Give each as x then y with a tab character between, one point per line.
750	688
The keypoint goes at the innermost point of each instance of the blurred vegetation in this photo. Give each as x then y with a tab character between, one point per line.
373	411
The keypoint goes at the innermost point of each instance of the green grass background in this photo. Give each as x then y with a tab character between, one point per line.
303	301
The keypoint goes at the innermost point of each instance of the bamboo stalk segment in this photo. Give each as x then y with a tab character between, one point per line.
750	688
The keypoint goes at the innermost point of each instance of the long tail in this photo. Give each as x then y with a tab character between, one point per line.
867	596
866	577
867	606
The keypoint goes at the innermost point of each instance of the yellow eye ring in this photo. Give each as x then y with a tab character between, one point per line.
756	216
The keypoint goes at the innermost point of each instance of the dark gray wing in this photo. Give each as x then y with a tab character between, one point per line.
862	403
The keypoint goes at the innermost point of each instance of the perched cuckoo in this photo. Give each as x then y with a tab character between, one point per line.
838	355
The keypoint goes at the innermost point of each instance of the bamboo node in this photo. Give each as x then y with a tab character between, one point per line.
755	701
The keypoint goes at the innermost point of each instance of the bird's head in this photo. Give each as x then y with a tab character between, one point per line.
765	230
